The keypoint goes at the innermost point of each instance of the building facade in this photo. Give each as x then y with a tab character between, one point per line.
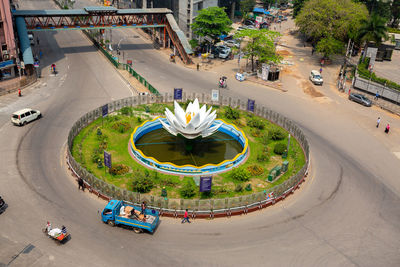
185	11
8	50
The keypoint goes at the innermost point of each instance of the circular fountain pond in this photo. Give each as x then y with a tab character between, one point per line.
156	148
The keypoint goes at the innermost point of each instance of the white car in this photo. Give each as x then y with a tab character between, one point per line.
23	116
231	43
224	52
316	77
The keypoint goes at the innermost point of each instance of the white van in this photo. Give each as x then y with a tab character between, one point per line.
316	77
23	116
31	39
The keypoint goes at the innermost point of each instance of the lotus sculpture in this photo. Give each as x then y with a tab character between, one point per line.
192	123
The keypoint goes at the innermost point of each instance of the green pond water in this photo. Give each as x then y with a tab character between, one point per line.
165	147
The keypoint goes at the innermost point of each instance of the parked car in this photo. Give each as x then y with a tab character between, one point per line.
359	98
224	52
31	39
24	116
231	43
249	22
316	77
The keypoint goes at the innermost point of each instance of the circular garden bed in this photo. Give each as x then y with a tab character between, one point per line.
267	143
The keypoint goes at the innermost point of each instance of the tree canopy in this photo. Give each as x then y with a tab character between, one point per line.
373	29
212	22
260	45
331	18
247	6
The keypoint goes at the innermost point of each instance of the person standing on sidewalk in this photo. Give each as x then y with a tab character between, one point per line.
378	121
186	217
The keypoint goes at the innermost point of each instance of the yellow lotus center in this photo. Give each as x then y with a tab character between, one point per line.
188	117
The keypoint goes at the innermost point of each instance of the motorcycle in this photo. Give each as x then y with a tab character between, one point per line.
222	82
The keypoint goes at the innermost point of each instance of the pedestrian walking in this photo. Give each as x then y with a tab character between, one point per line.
37	40
378	121
376	95
312	51
19	92
186	217
387	128
81	185
320	70
322	62
198	66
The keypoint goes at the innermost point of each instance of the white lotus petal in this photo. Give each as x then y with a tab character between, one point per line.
193	122
179	113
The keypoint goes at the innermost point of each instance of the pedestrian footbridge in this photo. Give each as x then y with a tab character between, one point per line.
160	20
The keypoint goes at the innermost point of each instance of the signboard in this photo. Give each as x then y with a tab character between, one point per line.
178	93
215	95
250	105
107	159
104	110
205	183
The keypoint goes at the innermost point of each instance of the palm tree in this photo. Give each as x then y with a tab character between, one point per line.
373	29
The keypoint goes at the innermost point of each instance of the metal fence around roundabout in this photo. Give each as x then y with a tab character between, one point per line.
198	207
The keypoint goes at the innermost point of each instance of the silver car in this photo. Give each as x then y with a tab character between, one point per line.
359	98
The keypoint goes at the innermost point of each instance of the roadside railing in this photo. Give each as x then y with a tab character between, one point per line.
18	84
126	67
198	207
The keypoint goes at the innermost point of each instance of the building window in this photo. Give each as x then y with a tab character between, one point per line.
200	6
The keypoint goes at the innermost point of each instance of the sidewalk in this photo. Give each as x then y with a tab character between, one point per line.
12	85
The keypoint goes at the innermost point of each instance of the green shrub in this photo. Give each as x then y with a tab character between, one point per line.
232	114
121	126
118	169
238	188
255	170
127	111
255	132
188	189
279	148
256	123
167	181
265	139
142	183
277	134
248	187
95	156
262	157
240	174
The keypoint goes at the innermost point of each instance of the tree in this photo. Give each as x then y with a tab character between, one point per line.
395	14
297	6
260	45
320	19
329	46
373	29
247	6
212	22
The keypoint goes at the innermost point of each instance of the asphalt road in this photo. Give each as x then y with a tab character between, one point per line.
345	214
